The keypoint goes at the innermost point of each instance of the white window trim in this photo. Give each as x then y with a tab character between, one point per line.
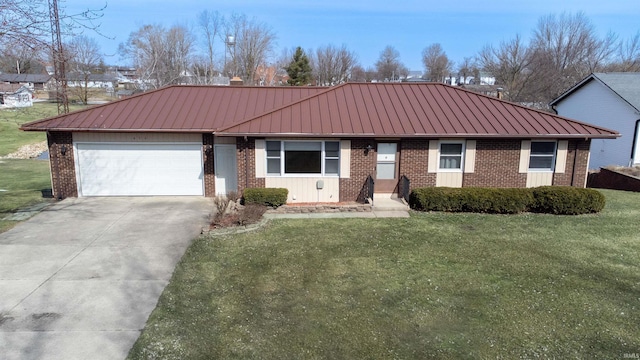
322	159
462	156
553	161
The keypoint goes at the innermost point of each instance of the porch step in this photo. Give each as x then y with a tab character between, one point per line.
388	204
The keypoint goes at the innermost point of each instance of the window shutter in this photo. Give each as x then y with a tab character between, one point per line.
261	158
525	151
432	165
561	156
345	159
470	157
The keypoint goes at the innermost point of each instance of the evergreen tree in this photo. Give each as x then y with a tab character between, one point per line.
299	69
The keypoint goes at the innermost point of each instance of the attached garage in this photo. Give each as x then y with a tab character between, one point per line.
138	168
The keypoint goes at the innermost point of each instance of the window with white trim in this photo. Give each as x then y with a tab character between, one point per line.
450	156
542	156
321	158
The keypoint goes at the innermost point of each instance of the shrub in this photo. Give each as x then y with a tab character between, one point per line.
547	199
273	197
565	200
482	200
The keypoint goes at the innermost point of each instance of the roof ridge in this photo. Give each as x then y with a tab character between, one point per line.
328	89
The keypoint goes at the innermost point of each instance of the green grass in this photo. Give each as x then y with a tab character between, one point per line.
23	181
436	285
11	137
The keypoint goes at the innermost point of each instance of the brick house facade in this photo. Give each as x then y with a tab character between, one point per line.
320	143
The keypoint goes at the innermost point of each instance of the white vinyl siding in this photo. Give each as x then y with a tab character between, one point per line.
597	104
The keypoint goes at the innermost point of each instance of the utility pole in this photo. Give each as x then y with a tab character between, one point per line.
59	60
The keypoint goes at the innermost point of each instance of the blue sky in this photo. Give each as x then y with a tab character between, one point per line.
462	27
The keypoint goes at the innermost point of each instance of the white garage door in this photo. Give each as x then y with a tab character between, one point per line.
107	169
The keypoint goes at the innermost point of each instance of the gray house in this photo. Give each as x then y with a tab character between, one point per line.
610	100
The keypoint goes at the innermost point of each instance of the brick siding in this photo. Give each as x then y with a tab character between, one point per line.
362	165
246	157
63	173
497	165
414	161
209	169
569	178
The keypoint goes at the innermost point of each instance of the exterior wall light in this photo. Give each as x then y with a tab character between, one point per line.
369	148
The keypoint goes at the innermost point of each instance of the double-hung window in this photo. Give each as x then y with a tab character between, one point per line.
318	158
542	156
451	155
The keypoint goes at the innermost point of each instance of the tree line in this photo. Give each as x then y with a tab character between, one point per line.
562	50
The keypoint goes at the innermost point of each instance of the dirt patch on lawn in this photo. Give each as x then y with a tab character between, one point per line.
29	151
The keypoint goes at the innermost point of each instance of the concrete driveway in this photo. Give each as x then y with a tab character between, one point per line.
79	280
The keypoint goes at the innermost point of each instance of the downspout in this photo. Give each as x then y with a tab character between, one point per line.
633	144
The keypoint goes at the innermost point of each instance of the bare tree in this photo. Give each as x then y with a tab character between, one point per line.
254	42
333	65
21	59
565	50
84	58
388	66
510	63
161	56
211	25
628	56
436	62
466	69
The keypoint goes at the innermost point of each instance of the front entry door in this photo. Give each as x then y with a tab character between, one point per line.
386	168
226	169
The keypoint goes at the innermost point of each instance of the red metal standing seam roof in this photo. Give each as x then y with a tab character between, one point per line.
430	110
177	108
410	110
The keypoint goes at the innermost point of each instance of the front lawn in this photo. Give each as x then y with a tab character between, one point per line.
21	185
11	137
435	285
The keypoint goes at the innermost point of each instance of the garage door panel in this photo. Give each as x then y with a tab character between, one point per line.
140	169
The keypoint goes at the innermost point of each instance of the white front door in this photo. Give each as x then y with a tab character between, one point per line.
226	169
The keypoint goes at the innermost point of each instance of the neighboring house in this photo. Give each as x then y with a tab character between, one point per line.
94	81
14	95
611	100
322	144
33	82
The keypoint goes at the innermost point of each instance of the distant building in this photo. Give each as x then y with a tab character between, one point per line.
33	82
15	95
